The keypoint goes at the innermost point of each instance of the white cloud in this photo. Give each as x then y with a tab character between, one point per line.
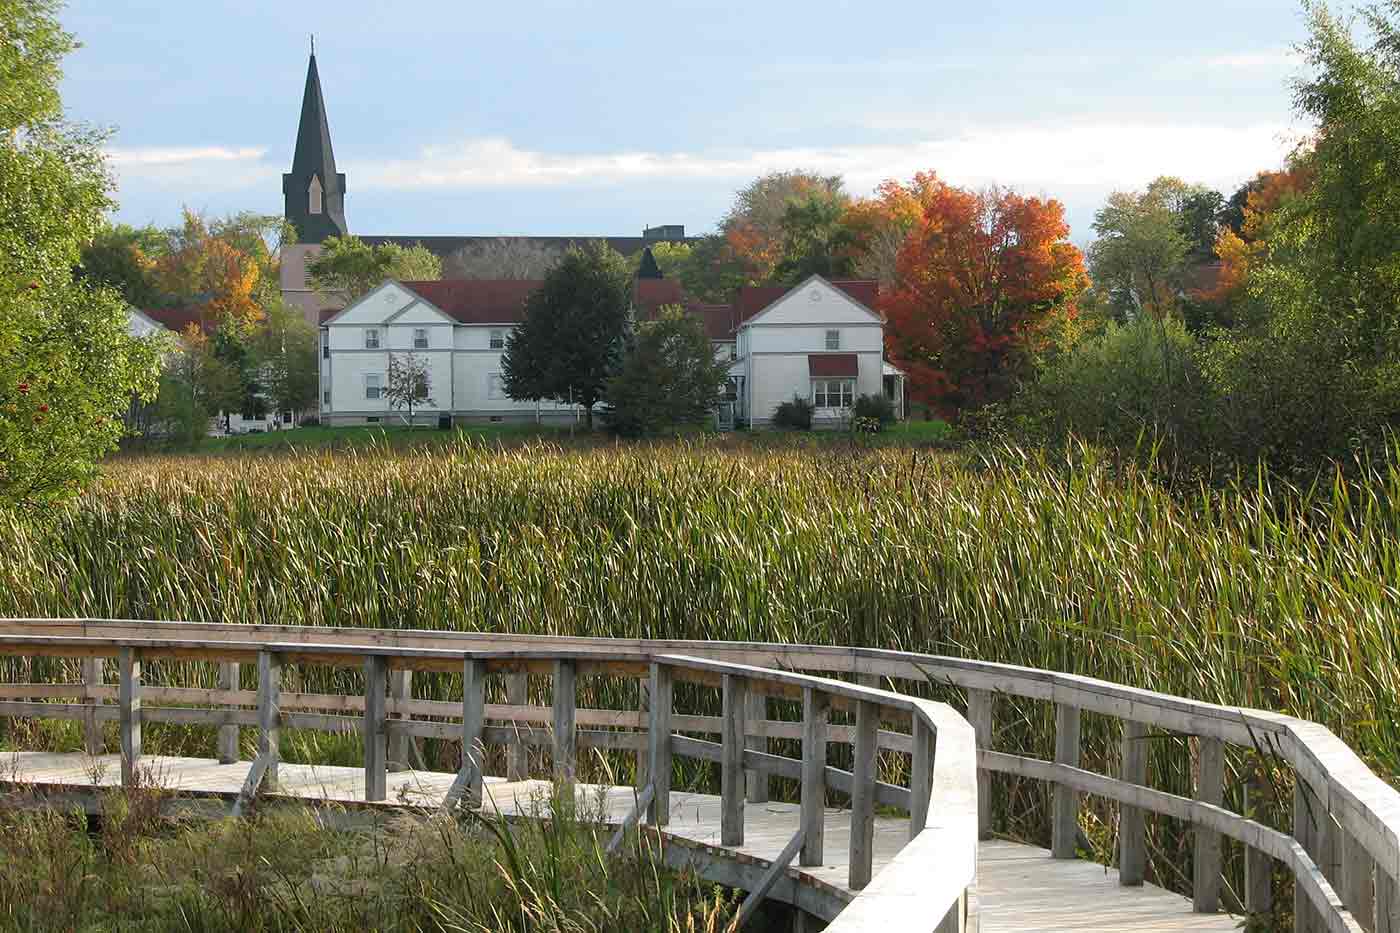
153	156
1268	59
1037	157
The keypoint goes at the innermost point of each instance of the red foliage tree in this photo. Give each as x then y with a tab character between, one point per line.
984	282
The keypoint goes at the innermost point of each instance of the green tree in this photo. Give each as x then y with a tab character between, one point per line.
575	330
195	387
350	266
816	239
1141	250
122	257
284	349
669	379
1313	374
68	367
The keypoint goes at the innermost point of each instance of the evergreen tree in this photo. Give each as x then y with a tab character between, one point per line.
575	332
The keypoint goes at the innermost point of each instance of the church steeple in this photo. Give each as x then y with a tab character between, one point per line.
314	192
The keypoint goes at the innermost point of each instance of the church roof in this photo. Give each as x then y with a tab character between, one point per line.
314	157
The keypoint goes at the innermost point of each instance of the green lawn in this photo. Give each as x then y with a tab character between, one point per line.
910	433
312	438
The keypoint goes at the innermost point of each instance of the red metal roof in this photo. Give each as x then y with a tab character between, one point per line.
832	365
502	301
180	319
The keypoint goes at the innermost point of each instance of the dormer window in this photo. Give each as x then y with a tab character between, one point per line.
315	192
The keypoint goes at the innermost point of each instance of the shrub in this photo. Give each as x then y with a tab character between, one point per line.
875	408
795	415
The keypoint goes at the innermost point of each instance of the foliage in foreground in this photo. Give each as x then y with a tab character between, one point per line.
284	870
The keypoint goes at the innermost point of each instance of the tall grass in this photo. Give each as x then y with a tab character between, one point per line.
290	870
1260	593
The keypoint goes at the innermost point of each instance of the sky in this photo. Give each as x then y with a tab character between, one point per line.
556	118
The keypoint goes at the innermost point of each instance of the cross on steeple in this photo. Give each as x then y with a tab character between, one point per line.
313	191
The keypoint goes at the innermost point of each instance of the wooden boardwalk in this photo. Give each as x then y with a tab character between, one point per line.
1019	888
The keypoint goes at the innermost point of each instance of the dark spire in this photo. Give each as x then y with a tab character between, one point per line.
313	191
649	269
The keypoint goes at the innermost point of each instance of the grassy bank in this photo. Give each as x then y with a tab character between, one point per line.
289	870
1258	594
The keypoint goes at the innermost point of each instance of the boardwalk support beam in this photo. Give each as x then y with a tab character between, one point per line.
1258	866
269	712
376	751
565	728
517	752
735	710
93	669
1132	822
659	744
467	785
756	780
1210	789
765	884
815	710
979	714
863	773
129	716
228	735
1064	831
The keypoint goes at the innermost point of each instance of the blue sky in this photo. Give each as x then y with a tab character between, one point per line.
600	118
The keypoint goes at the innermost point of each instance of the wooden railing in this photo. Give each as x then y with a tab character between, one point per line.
1342	847
923	888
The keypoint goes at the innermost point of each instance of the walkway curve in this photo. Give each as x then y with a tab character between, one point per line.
1343	848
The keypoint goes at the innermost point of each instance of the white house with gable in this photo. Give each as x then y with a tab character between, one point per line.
819	341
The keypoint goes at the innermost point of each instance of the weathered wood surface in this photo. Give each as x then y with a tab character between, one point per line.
1019	888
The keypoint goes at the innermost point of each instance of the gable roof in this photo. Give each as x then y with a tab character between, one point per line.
752	300
445	246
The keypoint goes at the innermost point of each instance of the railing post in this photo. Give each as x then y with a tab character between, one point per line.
659	744
815	711
1258	866
735	709
1132	822
400	746
1387	903
756	781
565	731
269	713
129	716
1358	878
1064	832
93	669
643	753
228	735
979	714
1307	826
376	751
863	775
517	752
920	774
1210	789
473	721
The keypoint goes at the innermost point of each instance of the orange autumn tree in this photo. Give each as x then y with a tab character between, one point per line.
205	268
879	225
753	230
1238	251
984	283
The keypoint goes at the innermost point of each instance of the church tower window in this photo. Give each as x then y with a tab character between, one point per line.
315	191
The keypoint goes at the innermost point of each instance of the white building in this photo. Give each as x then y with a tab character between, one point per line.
819	341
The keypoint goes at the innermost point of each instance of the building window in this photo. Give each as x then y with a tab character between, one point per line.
326	397
420	338
325	345
495	385
498	340
315	195
373	385
733	352
421	387
371	338
833	340
374	419
833	393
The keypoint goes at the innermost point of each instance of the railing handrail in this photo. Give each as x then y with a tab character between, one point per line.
947	825
1339	784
